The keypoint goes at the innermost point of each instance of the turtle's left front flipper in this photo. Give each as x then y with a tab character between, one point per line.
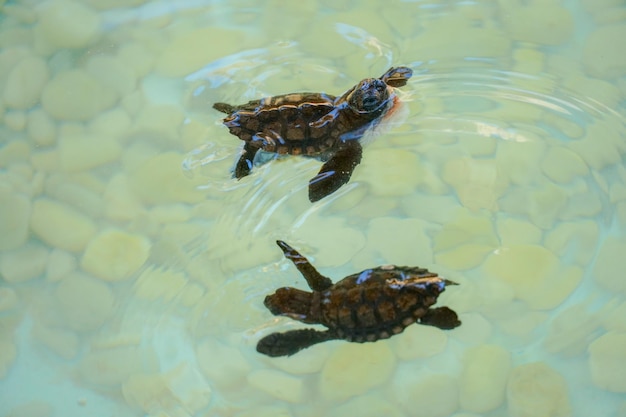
293	341
336	171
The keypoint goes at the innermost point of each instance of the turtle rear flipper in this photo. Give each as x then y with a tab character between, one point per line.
293	341
441	317
316	281
336	171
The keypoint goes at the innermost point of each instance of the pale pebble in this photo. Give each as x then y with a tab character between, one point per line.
524	325
517	161
475	330
85	302
40	127
164	119
163	284
465	256
160	180
25	83
112	74
535	389
562	165
465	227
189	388
529	60
188	52
370	405
15	120
221	363
327	43
607	362
115	122
618	192
550	24
352	369
279	385
483	379
64	343
570	332
598	148
419	342
24	263
191	294
167	253
429	396
582	205
400	241
14	151
8	299
475	182
527	268
60	264
390	172
61	226
171	213
602	55
543	204
68	24
478	145
434	209
8	353
577	239
46	160
84	151
565	124
147	393
15	210
115	255
75	95
613	318
31	409
136	56
610	259
514	231
120	203
112	367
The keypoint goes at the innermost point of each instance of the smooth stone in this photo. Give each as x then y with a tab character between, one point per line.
427	396
517	161
41	128
120	202
115	123
474	331
602	53
159	284
535	389
161	180
610	259
147	393
466	227
602	146
61	226
32	409
366	406
115	255
578	240
390	172
84	151
527	268
8	354
60	264
8	299
483	379
23	264
15	120
68	24
86	303
112	73
571	330
64	343
166	120
562	285
14	151
15	210
414	247
222	363
607	362
75	95
188	52
112	367
513	231
344	375
475	182
562	165
462	257
279	385
137	57
548	24
419	342
25	83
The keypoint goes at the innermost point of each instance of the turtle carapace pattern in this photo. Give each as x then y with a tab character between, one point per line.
367	306
315	124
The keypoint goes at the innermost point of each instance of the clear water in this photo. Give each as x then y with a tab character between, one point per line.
134	268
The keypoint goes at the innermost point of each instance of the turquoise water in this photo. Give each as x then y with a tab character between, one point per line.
133	268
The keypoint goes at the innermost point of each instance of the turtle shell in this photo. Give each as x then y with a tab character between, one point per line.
378	303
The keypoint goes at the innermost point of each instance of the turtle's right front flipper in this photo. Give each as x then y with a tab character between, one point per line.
316	281
336	171
245	162
293	341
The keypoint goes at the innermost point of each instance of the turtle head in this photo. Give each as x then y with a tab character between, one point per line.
368	96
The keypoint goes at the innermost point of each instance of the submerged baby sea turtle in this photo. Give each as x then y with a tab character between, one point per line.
365	307
315	124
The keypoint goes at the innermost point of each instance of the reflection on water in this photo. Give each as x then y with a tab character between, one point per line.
133	268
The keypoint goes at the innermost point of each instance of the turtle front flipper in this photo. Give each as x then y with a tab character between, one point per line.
293	341
336	171
397	77
316	281
441	317
224	107
244	164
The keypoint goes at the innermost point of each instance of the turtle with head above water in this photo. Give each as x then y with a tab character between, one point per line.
315	124
364	307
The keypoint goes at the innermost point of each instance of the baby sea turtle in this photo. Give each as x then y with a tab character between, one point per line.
315	124
365	307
